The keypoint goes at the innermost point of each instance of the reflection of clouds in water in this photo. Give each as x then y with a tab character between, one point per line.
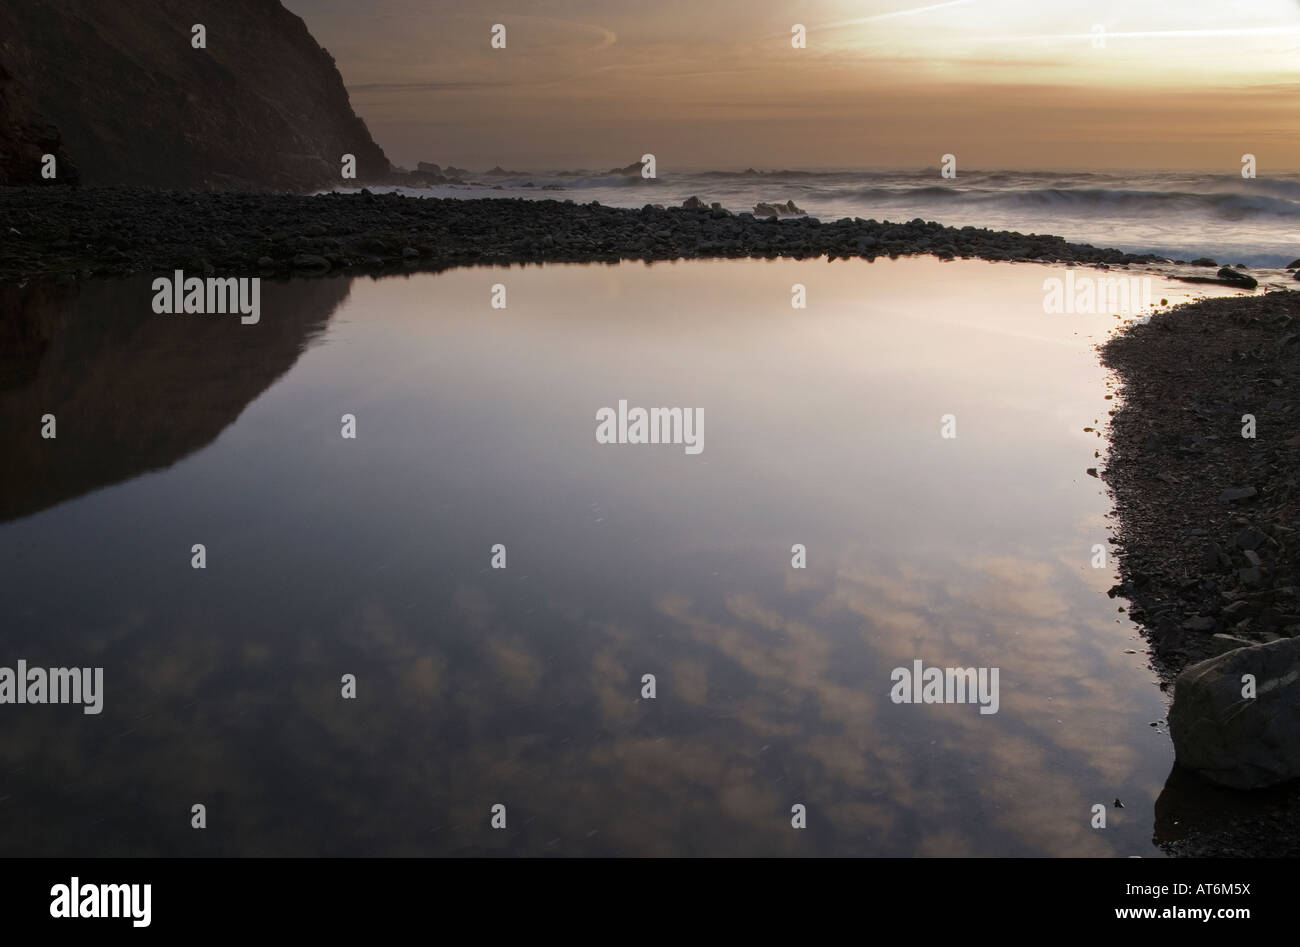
1080	710
1019	588
690	681
610	681
765	699
1013	762
522	671
766	722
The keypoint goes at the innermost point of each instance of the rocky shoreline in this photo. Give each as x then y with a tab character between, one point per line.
1209	535
1208	530
102	232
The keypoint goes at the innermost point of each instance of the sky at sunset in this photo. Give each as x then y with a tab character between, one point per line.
881	84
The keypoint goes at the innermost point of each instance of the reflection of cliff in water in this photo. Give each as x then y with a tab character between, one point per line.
131	391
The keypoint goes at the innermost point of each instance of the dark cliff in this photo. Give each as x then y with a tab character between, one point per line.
262	106
26	137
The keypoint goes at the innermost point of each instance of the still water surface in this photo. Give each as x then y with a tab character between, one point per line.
522	686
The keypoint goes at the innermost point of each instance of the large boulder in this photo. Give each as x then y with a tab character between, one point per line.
1237	741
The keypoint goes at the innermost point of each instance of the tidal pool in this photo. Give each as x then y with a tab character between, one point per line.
477	427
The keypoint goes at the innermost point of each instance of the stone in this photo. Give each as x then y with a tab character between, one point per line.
309	261
1250	538
1210	559
1222	644
1233	740
1228	274
1236	609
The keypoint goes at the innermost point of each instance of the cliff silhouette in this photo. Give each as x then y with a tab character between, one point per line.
116	88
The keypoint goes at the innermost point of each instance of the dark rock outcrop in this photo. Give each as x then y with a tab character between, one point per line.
26	137
262	106
1227	276
788	209
1241	740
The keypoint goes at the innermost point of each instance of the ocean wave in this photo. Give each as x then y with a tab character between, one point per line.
1225	205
